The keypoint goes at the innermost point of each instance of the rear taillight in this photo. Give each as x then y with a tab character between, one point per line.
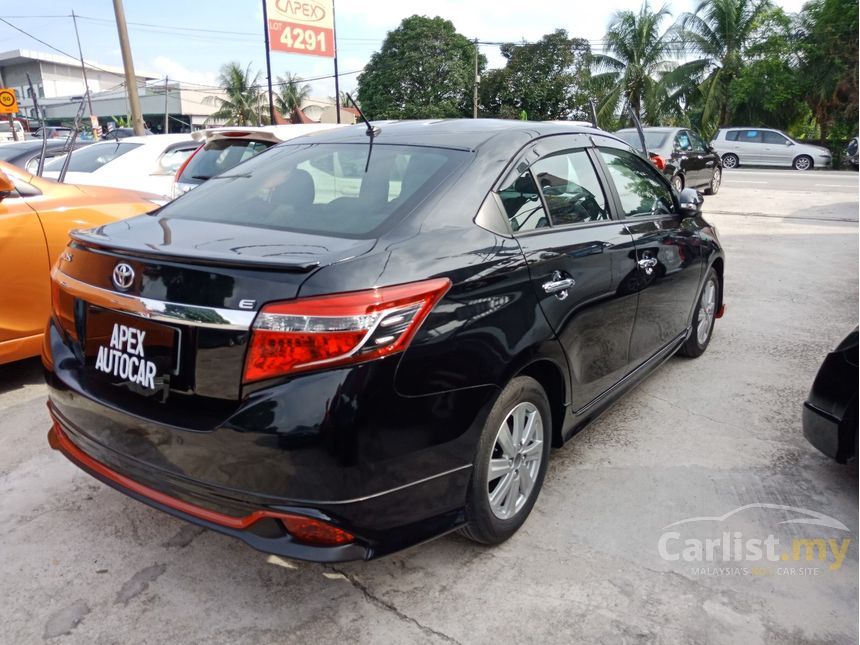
184	164
658	161
327	331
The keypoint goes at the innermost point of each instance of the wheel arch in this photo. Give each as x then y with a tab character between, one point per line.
551	378
718	265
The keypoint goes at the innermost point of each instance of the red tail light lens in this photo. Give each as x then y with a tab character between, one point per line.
658	161
311	531
326	331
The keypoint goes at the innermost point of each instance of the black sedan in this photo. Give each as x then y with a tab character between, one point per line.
337	350
682	155
830	412
25	154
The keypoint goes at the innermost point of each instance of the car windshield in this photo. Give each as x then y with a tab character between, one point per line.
219	156
321	188
652	139
13	150
92	157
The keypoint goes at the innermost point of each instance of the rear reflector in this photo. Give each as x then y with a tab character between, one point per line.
658	161
312	531
326	331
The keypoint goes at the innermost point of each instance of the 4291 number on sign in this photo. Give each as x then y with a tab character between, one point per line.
300	39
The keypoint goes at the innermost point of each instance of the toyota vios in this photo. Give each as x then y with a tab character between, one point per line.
359	341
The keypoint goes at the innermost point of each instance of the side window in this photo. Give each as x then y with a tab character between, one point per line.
773	137
522	203
682	141
640	188
698	143
750	136
570	188
732	135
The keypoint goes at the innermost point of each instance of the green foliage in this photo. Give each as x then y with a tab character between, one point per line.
638	56
290	95
425	69
547	80
244	103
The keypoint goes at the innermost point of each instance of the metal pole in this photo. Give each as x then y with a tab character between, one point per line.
268	64
83	67
40	114
475	91
166	125
336	79
128	64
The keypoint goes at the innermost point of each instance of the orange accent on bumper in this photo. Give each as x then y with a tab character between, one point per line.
58	440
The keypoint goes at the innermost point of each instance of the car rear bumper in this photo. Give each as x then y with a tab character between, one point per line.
822	431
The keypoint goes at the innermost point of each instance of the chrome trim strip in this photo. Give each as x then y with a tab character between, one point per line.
379	494
158	310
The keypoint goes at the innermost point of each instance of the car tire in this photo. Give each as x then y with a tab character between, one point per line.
731	161
803	162
703	318
716	180
678	182
499	502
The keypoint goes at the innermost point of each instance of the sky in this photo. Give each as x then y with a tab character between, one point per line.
162	42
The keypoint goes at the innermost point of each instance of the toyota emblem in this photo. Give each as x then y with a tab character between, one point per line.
123	276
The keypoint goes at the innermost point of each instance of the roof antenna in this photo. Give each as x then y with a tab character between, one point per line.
372	130
593	114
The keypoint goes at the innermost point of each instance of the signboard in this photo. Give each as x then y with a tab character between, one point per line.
8	102
301	26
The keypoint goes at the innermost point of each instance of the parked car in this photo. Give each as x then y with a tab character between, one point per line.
52	132
146	164
224	148
36	216
681	155
830	411
122	133
851	154
337	351
767	147
25	154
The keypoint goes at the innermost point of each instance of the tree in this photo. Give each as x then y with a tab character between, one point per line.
244	103
547	80
425	69
720	31
828	68
638	56
290	95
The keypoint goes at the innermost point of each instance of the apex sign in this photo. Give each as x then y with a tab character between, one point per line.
301	26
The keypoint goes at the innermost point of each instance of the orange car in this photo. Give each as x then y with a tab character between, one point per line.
36	216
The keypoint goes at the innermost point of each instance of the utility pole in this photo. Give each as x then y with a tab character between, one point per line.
128	64
83	67
477	80
336	79
165	104
269	65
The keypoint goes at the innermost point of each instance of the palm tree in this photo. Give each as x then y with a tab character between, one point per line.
244	102
291	95
719	31
638	55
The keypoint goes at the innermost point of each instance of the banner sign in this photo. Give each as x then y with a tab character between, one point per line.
301	26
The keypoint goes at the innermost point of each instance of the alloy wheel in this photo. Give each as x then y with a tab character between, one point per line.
678	183
730	161
515	460
716	180
802	163
707	308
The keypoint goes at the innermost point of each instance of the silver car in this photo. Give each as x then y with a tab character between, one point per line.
766	147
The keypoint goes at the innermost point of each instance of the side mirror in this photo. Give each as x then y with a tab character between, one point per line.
789	143
6	186
690	201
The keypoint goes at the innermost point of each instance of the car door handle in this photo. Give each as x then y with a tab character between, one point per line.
558	285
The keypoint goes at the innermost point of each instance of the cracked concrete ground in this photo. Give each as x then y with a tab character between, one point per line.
81	563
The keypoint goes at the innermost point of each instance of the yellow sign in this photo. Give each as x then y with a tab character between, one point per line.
301	26
8	102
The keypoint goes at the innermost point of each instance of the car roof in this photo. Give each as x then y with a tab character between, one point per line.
151	139
273	133
451	133
655	129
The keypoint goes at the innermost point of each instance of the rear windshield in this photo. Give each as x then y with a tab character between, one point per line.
652	139
321	188
93	157
219	156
